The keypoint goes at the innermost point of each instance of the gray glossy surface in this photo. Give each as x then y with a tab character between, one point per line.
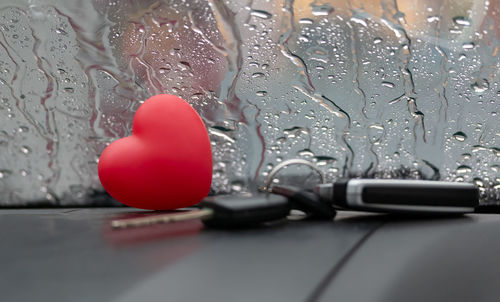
72	255
424	260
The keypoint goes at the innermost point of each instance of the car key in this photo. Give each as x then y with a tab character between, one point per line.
306	201
223	211
401	196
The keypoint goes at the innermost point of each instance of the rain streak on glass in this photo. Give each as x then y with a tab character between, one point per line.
379	88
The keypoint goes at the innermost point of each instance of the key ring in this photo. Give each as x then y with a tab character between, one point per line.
289	162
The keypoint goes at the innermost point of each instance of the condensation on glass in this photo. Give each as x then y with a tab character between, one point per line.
386	89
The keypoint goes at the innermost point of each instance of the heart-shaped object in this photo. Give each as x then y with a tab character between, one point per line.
166	163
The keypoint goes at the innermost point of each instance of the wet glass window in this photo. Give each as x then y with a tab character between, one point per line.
375	89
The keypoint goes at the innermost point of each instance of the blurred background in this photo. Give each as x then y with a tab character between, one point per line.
385	89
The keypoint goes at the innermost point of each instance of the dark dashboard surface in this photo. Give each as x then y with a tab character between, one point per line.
73	255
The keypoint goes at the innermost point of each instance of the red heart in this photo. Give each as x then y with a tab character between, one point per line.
166	163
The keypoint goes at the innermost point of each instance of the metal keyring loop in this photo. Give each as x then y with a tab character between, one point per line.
286	163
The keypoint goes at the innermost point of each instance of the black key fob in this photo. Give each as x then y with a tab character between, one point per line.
401	196
232	211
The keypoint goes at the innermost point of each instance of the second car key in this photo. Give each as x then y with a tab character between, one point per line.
401	196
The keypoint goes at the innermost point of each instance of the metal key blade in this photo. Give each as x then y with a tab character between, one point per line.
161	218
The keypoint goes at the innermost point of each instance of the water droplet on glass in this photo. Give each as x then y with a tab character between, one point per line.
306	21
480	86
237	186
359	21
388	84
163	70
175	52
460	136
257	75
4	173
463	169
196	96
468	46
495	151
25	149
295	132
375	132
303	38
61	31
478	182
377	40
261	14
321	10
305	153
478	148
261	93
184	66
323	160
466	156
461	21
431	19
